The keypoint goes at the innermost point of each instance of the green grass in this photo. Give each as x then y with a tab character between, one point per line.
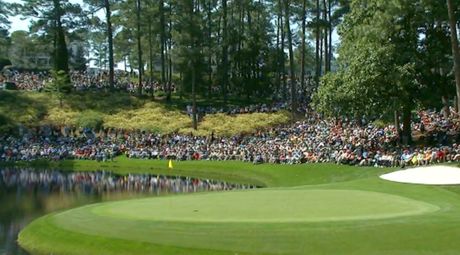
265	175
305	209
121	110
262	206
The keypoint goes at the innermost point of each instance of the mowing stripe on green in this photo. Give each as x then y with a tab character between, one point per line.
269	206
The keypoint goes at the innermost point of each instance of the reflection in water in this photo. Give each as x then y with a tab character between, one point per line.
26	194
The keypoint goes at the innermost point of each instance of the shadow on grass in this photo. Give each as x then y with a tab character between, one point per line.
17	108
5	123
101	101
113	102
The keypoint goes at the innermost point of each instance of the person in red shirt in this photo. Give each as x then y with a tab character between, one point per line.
441	156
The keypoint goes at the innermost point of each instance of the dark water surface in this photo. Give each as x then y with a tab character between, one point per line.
26	194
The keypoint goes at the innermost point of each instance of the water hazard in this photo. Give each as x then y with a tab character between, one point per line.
26	194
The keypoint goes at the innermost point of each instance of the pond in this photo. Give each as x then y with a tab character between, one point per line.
26	194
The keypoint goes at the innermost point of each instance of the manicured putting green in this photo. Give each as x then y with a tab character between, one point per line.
265	206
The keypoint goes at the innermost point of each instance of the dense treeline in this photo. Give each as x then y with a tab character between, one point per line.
232	47
395	56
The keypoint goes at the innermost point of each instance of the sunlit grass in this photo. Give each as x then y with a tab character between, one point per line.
123	111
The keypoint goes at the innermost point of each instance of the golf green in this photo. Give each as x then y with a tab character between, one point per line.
314	209
269	206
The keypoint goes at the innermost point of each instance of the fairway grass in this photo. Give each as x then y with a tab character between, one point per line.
308	209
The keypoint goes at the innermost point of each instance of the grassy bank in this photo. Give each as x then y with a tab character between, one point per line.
386	217
121	110
265	175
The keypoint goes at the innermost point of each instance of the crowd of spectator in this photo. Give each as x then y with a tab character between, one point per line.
313	140
232	110
35	81
81	81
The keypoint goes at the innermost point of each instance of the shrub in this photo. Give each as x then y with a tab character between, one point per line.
90	119
380	123
5	124
227	125
153	117
160	94
62	116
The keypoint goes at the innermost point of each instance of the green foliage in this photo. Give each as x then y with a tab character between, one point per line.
53	22
385	63
120	110
5	43
90	119
5	124
225	125
380	123
151	117
19	108
5	11
173	36
59	85
160	94
26	49
4	62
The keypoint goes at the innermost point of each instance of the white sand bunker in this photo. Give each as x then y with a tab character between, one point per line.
431	175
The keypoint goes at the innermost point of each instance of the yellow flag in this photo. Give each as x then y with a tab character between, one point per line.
170	165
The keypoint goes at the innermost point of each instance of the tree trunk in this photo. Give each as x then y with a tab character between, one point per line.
326	40
108	17
151	59
192	68
182	86
291	58
320	66
407	130
283	60
444	98
445	106
162	48
139	46
397	125
278	57
224	52
194	117
209	24
302	71
329	64
169	50
456	104
61	55
318	63
455	50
